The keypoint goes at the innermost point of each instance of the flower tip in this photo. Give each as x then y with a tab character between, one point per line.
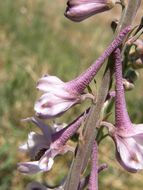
68	14
23	169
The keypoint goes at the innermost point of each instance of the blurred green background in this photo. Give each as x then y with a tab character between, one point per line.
35	39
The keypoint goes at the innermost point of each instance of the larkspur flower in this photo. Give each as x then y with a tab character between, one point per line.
128	137
43	148
59	96
78	10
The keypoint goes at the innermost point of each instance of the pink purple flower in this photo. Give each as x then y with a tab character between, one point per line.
128	137
43	148
59	96
78	10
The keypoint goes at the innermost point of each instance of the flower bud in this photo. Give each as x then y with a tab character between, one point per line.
78	10
128	85
138	64
136	54
114	24
139	46
132	75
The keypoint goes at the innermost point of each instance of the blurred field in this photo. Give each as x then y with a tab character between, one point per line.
35	39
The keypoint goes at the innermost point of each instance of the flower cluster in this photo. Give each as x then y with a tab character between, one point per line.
59	96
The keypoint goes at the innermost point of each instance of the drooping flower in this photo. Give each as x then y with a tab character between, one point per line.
43	148
59	96
128	137
78	10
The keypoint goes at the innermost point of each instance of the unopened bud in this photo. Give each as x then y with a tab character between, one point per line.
138	64
139	46
128	85
136	54
132	75
114	24
78	10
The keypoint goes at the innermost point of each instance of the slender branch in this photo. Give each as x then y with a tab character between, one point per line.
130	13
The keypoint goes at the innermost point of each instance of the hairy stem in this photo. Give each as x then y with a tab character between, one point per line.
93	179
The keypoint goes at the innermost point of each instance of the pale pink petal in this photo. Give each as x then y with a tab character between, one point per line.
48	83
50	105
46	129
29	167
129	154
134	130
34	144
138	129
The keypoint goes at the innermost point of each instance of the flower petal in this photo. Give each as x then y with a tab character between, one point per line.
29	167
49	83
133	130
129	154
46	129
50	105
34	144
